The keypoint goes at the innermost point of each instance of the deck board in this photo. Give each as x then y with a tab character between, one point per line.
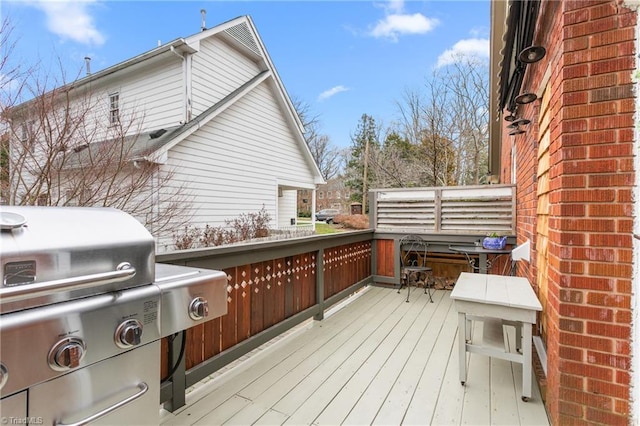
377	360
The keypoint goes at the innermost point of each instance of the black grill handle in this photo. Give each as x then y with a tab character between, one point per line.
123	272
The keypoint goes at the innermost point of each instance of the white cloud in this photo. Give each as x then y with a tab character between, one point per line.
333	91
395	25
71	19
394	6
472	47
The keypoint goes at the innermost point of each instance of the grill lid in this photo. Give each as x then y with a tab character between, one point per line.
53	254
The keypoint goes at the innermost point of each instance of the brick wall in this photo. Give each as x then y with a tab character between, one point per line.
587	73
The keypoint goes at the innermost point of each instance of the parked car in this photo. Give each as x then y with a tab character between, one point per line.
327	215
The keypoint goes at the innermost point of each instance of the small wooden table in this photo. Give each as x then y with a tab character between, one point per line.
484	261
496	299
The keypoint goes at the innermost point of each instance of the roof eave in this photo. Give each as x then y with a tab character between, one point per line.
498	29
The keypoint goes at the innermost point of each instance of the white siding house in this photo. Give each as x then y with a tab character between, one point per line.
221	121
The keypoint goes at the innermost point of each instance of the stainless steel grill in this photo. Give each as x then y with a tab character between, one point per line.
83	307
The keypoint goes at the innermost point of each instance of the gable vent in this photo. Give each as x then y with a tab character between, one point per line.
241	33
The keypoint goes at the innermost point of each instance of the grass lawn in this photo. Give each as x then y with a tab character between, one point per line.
323	228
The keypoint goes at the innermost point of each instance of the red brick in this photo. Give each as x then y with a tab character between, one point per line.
571	409
609	240
623	377
623	347
609	151
612	37
571	325
571	296
586	398
589	253
611	93
602	10
575	71
588	283
587	342
572	152
623	317
624	256
606	417
581	196
625	226
623	286
626	105
603	52
610	330
591	82
609	270
590	166
571	238
570	267
606	388
609	180
570	126
625	196
626	48
586	312
571	381
612	65
625	165
590	27
611	122
575	98
571	210
571	353
610	210
625	135
622	407
577	16
589	110
609	360
627	19
573	44
580	224
565	420
609	299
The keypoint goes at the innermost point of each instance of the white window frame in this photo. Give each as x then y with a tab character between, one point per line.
114	108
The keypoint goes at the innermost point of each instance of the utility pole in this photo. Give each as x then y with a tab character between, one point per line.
364	178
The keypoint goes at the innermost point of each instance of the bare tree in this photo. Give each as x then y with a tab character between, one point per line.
447	126
57	151
326	156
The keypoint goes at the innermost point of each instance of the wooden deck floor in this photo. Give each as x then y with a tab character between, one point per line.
377	360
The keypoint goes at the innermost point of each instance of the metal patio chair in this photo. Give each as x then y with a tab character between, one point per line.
413	264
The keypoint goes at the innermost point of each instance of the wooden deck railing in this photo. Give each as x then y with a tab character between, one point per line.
275	285
272	287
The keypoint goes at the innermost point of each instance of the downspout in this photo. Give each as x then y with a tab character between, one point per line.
186	78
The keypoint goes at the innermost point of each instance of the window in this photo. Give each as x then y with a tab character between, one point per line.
26	136
338	194
328	194
114	108
320	195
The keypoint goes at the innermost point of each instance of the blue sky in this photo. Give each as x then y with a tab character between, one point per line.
342	58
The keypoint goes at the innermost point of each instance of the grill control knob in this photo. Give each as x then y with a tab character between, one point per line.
67	354
129	334
198	308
